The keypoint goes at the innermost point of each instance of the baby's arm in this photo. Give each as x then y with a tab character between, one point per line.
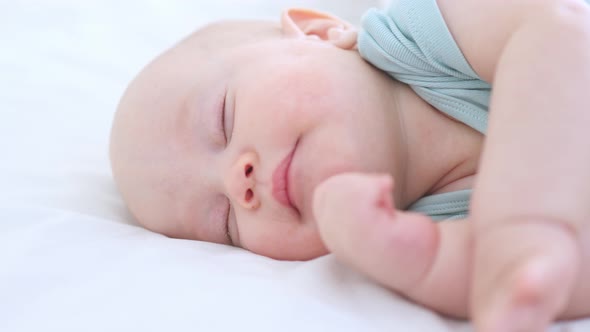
530	204
530	211
428	262
530	215
404	251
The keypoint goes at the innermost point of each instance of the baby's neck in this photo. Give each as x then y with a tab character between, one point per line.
442	153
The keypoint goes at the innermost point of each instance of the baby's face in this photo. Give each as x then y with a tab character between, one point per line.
224	137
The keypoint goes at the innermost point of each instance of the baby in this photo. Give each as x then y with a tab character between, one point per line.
285	138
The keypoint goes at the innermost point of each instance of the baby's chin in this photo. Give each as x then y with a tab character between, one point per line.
305	249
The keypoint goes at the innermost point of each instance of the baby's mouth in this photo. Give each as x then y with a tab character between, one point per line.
280	180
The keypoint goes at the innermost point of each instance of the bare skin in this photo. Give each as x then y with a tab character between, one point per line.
525	249
189	165
518	263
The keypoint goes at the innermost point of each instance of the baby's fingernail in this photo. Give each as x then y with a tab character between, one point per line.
385	201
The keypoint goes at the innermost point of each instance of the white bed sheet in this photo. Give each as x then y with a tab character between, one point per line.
72	258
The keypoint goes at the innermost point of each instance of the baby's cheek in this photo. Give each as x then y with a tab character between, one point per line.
293	94
306	95
281	239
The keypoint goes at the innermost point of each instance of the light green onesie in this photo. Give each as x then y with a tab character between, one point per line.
410	41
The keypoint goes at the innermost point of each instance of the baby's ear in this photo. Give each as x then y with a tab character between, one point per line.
311	24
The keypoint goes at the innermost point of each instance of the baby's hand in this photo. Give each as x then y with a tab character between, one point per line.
354	196
432	264
404	251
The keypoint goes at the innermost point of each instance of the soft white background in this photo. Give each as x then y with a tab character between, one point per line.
71	257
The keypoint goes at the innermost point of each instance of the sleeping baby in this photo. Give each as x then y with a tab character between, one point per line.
302	137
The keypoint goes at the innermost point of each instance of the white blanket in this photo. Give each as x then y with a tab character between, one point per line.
72	258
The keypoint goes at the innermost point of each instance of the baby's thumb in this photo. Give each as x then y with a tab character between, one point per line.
336	194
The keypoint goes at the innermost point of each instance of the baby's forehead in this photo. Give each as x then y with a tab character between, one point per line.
221	35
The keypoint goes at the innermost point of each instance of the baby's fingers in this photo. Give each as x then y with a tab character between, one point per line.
353	195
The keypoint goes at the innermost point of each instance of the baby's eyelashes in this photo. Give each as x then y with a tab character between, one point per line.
228	117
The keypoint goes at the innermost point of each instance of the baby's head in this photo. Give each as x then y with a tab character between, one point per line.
224	137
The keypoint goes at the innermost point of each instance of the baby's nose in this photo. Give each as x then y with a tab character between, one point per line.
242	181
